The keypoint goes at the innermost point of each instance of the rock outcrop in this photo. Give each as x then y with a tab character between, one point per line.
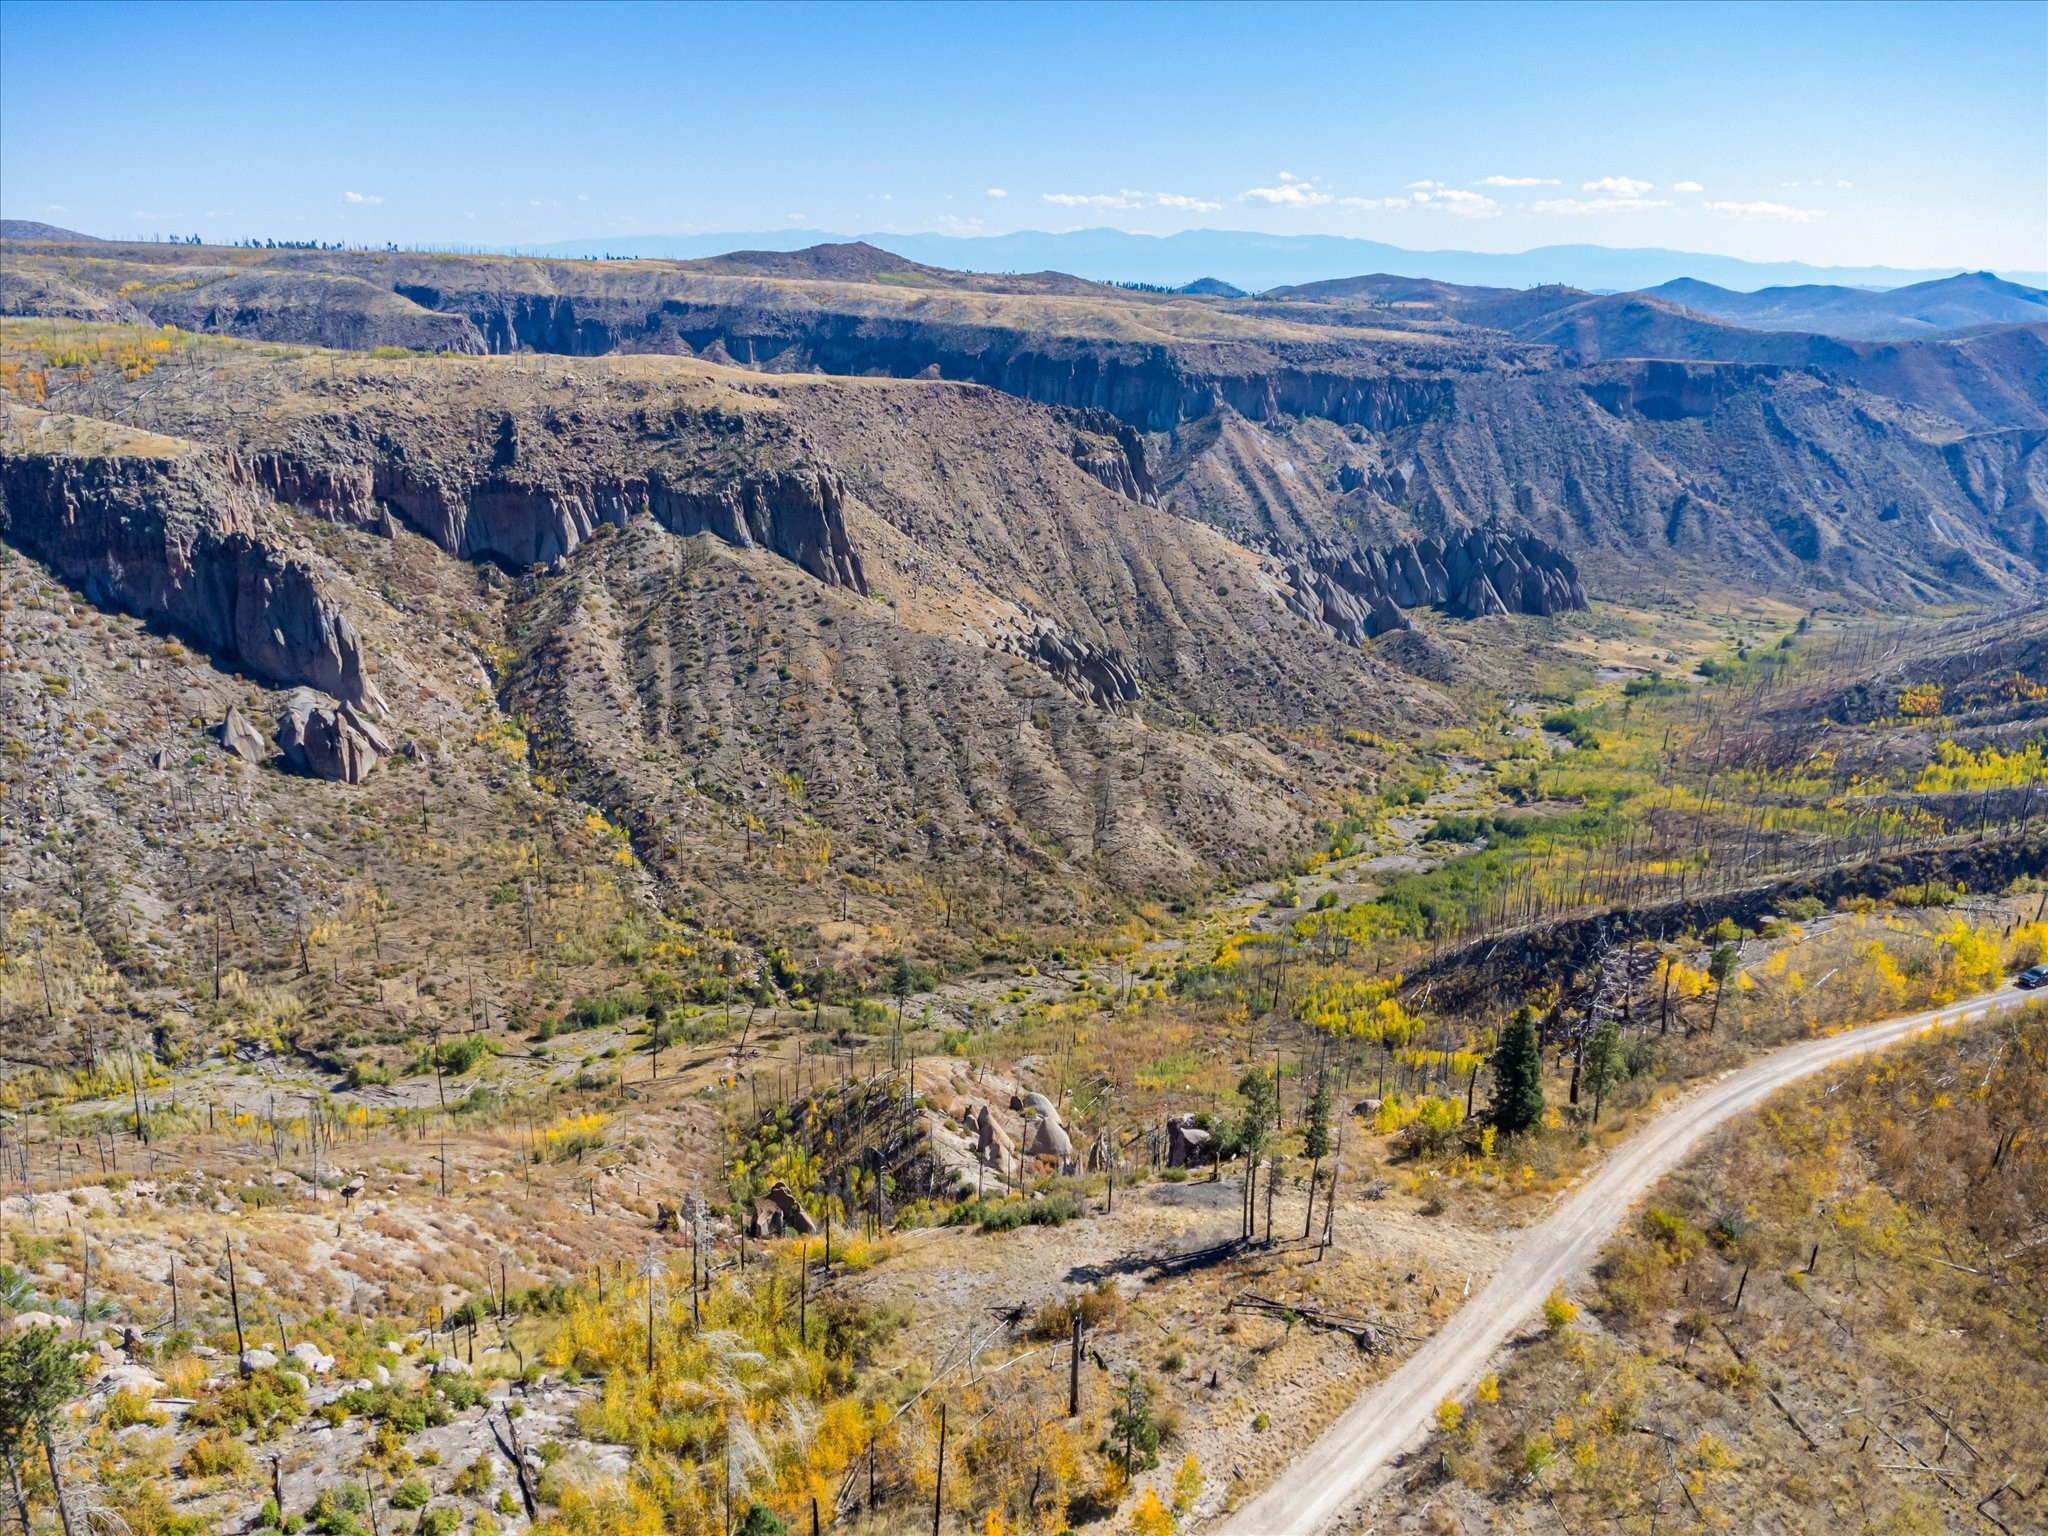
1186	1142
240	738
779	1213
1114	453
530	507
175	537
1473	574
1044	1134
1098	673
992	1143
329	740
798	514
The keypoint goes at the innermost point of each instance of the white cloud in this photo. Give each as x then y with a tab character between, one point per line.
1473	205
1518	181
1687	186
1574	205
1127	198
1765	211
582	197
796	218
535	202
998	192
1291	192
1432	194
1618	186
1845	185
362	197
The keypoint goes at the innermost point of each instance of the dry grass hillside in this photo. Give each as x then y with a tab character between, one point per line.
598	940
1829	1321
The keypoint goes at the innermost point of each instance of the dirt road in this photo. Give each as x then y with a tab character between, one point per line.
1312	1495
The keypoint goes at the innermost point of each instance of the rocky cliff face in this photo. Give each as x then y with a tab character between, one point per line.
1644	440
1100	674
1114	453
1474	574
799	514
318	309
176	538
1671	391
532	492
1651	477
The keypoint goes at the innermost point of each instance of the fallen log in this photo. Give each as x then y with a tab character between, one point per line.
1374	1338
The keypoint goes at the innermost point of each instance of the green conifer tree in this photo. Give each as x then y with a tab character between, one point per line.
1605	1063
1518	1076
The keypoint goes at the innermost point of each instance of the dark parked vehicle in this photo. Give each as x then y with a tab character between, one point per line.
2036	977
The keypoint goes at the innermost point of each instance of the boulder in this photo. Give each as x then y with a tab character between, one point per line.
1186	1142
779	1212
993	1145
130	1378
307	1353
257	1360
1050	1139
240	738
329	740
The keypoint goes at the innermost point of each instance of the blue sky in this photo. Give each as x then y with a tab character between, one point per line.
1903	134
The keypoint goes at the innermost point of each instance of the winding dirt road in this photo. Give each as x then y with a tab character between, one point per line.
1313	1493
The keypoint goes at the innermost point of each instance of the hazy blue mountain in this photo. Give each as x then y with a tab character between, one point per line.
1256	262
1951	303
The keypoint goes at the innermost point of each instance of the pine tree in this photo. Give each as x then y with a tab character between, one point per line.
1722	968
1518	1076
1261	1097
1605	1065
38	1376
1315	1145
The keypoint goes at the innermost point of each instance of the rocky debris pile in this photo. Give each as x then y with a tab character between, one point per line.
1097	673
311	1360
1473	574
329	740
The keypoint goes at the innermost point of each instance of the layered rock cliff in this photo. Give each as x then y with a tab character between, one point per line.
177	537
528	487
1475	573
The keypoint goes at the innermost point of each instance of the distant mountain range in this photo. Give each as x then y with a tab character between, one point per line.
1858	314
1256	262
